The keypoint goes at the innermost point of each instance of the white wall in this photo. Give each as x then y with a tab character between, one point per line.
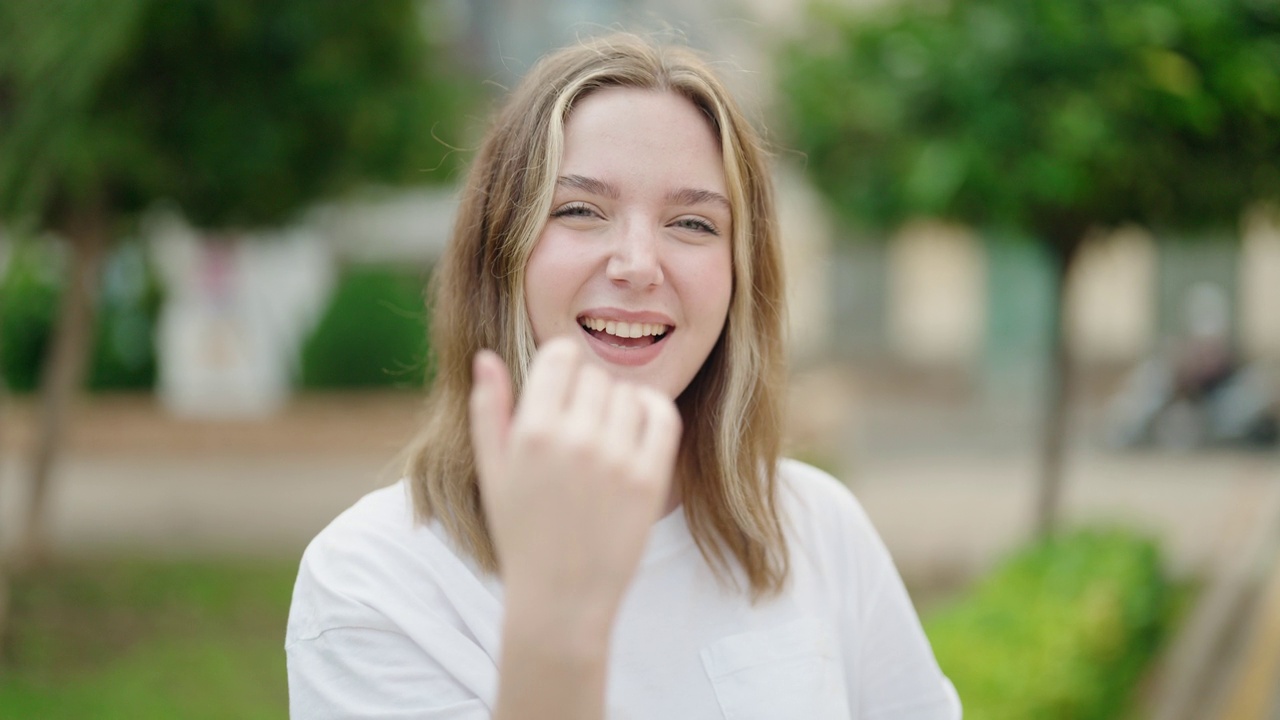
1111	301
1260	286
937	295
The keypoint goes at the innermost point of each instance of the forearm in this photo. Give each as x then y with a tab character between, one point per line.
572	481
554	663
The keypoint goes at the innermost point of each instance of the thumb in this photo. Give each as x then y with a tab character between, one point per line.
491	407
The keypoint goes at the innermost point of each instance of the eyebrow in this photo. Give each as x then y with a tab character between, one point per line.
591	185
691	196
681	196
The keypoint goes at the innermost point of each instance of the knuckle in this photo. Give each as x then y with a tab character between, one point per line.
537	437
578	440
617	461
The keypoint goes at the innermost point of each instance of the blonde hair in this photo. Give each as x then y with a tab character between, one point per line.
732	407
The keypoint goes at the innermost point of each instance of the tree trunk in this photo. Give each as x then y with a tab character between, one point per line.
1064	247
64	369
5	604
4	565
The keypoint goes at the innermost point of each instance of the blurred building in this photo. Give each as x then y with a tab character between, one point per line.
938	296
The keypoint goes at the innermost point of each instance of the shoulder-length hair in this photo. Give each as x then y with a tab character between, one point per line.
732	407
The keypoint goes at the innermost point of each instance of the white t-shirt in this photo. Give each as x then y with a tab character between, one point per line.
389	621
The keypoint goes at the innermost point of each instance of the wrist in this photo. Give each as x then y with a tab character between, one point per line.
559	629
554	661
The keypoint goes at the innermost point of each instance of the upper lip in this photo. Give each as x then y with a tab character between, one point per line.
628	316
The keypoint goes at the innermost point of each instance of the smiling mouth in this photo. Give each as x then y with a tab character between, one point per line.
625	335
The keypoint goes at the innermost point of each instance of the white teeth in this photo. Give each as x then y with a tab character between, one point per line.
624	329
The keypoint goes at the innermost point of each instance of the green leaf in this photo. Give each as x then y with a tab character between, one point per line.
1017	114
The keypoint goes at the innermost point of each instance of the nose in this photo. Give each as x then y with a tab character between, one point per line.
635	259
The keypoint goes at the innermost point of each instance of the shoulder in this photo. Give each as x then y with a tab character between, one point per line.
366	563
383	604
345	560
381	518
809	479
811	495
383	510
829	530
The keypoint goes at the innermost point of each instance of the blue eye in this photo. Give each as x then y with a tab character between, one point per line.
573	210
697	225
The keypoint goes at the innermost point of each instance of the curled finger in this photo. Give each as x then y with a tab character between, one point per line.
660	432
490	412
548	388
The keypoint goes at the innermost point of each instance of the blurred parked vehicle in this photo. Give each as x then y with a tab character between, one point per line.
1200	394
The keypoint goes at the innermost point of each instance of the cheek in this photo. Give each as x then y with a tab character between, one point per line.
535	292
547	292
714	284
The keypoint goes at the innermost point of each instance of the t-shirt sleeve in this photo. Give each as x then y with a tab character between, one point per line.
377	674
899	677
366	638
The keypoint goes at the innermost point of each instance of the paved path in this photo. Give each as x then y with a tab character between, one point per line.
943	519
137	480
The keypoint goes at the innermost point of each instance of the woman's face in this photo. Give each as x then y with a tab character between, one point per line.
635	262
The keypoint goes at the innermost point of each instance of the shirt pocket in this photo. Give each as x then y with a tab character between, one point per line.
784	672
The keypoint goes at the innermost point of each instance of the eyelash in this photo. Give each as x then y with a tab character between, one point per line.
584	210
699	225
573	209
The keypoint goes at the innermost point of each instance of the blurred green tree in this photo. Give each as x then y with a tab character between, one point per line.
1041	120
239	112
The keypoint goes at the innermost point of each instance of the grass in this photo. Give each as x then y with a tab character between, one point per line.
138	640
120	638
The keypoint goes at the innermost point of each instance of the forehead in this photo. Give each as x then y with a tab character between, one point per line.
620	134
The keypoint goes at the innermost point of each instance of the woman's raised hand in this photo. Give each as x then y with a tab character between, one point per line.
572	480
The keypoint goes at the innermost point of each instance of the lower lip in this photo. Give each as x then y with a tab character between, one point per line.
625	356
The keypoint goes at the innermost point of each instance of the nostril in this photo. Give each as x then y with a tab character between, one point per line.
635	270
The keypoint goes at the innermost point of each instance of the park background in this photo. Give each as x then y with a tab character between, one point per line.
256	358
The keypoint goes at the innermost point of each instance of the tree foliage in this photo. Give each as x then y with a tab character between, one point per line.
1041	118
239	112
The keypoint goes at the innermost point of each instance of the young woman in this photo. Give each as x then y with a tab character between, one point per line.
596	522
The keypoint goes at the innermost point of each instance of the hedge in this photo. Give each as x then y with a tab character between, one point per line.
123	355
373	333
1063	629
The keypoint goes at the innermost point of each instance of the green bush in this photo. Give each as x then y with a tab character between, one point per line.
1063	629
28	306
125	352
123	356
373	334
